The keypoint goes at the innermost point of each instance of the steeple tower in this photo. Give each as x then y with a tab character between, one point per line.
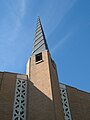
44	92
40	43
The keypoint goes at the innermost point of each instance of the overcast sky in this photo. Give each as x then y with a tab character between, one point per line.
66	24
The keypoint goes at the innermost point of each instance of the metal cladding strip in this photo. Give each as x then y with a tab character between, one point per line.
65	102
19	110
40	43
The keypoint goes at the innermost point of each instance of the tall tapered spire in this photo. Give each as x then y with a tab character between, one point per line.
40	43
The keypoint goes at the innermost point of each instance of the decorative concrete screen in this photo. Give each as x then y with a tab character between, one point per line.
64	97
19	112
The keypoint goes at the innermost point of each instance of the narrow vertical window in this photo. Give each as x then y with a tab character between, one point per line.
19	109
65	102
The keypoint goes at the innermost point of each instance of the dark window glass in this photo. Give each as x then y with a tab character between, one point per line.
38	57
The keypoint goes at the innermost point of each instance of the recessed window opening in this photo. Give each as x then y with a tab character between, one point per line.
38	57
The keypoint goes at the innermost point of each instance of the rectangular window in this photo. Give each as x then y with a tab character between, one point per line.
38	57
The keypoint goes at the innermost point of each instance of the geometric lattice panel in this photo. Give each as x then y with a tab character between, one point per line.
19	111
64	98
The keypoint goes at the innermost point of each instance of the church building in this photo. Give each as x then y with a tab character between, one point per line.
38	95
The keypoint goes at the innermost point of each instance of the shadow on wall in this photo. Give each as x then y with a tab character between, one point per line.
40	107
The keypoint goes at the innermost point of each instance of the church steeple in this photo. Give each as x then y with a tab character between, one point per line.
44	91
40	43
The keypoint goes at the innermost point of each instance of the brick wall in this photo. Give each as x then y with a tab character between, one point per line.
42	103
7	91
79	103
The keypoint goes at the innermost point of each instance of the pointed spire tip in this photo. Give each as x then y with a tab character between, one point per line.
40	43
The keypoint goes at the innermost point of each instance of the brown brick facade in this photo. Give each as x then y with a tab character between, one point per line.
44	99
55	90
79	103
7	91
